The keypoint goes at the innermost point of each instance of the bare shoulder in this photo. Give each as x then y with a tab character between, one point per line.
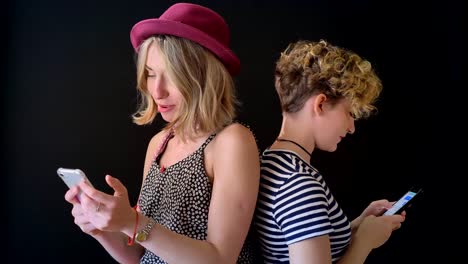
235	156
155	142
157	139
235	134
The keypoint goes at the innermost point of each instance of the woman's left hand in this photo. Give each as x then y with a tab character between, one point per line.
108	212
376	208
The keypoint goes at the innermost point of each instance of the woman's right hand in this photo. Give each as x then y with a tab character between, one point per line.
81	219
374	231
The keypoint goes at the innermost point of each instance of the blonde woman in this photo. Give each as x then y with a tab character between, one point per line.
201	173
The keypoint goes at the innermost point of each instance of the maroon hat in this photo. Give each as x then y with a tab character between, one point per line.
194	22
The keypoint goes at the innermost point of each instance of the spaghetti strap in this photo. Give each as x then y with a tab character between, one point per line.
163	145
207	141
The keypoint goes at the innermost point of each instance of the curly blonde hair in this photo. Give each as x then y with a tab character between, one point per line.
307	68
206	86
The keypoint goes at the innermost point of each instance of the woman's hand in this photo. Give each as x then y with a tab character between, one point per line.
376	208
81	219
108	212
375	231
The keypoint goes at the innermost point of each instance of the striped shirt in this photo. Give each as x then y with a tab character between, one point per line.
295	204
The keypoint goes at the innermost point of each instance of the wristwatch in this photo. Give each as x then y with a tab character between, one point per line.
143	234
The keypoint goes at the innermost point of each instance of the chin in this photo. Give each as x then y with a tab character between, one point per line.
167	117
328	148
333	148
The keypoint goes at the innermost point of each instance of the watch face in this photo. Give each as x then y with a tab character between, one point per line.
141	236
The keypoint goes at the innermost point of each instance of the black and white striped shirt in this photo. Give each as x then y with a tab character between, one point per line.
295	204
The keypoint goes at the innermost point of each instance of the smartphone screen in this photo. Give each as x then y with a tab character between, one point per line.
402	203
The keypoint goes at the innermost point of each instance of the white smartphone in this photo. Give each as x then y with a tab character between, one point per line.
72	177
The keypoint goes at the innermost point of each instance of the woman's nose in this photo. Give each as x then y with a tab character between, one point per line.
157	88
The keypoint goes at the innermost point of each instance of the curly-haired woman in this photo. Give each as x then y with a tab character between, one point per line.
322	90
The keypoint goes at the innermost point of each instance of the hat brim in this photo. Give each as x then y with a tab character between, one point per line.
147	28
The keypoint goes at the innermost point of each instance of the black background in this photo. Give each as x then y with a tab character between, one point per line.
69	89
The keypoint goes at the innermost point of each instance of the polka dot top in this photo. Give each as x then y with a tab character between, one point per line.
178	198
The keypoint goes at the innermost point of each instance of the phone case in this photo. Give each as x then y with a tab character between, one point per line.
72	177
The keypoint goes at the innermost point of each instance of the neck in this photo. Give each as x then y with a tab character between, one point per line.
189	136
291	129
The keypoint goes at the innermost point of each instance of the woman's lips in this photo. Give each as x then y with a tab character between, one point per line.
164	108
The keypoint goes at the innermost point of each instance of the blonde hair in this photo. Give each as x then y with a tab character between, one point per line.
204	82
307	68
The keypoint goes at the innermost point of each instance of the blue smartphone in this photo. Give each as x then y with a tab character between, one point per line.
404	202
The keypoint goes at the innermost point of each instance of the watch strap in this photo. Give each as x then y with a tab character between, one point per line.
143	234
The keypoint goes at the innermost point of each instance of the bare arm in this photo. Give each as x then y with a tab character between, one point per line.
115	243
311	251
317	250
